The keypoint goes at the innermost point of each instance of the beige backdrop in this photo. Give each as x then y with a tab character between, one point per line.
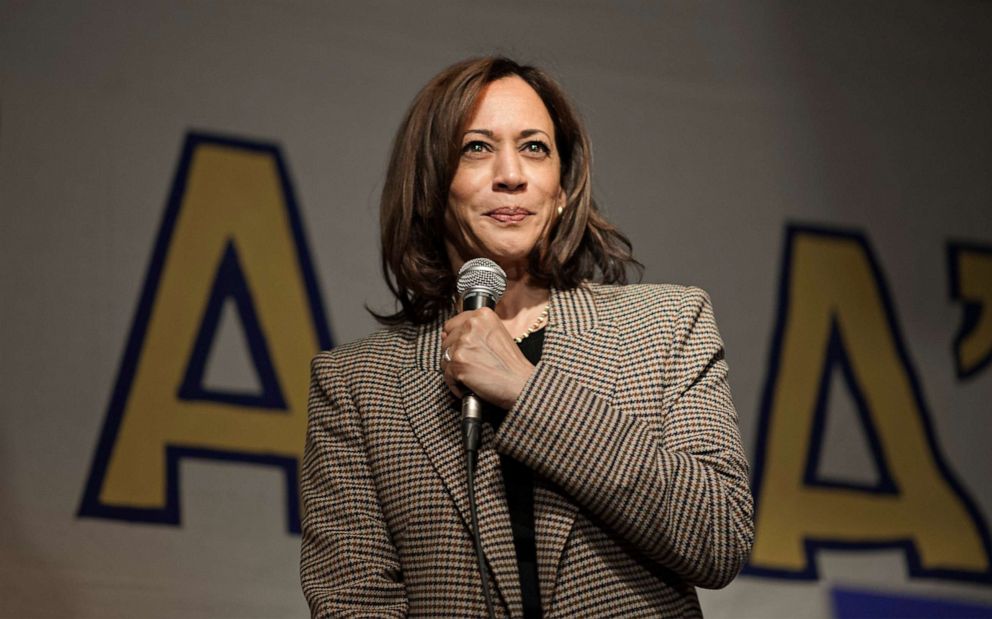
855	134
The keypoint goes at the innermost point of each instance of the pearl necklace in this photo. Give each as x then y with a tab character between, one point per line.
534	327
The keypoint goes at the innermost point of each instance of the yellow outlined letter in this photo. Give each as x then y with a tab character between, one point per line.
971	283
231	232
834	309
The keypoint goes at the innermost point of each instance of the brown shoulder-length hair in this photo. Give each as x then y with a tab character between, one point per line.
580	245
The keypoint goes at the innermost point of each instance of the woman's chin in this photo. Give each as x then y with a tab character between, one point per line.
508	254
513	258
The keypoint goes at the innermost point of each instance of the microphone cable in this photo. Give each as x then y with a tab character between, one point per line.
473	432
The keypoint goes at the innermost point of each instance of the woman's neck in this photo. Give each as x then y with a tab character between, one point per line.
522	303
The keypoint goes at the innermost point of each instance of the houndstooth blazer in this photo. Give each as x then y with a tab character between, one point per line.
641	490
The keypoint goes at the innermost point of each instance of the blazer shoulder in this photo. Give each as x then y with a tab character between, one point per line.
639	302
384	349
668	316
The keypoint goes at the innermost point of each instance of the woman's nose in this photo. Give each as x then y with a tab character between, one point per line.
509	174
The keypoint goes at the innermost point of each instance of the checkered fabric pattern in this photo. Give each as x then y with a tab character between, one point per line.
642	487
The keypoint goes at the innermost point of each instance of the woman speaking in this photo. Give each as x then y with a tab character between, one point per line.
610	480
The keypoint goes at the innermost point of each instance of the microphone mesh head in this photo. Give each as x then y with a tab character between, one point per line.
482	274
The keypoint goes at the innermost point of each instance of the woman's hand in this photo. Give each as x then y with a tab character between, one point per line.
479	354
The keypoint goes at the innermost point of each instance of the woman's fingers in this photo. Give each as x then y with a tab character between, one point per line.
478	354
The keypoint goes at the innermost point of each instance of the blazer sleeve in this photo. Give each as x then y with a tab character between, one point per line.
349	566
679	494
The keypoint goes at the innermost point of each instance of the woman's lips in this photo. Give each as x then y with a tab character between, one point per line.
508	215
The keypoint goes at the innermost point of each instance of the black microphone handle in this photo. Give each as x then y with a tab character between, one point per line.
477	299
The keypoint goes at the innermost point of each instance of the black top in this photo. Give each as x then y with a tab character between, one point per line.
519	482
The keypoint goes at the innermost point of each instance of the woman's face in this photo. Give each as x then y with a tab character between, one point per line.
507	187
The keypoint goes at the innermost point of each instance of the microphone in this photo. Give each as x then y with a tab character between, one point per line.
481	283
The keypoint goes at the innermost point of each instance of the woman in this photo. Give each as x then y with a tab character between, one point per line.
611	479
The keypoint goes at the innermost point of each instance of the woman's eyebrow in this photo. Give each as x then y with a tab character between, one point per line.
485	132
526	133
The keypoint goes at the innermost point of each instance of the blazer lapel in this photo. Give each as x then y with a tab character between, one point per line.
495	529
585	346
435	416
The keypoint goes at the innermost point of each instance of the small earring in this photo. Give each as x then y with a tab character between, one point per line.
561	209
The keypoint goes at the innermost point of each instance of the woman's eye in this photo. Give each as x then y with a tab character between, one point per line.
537	148
476	147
